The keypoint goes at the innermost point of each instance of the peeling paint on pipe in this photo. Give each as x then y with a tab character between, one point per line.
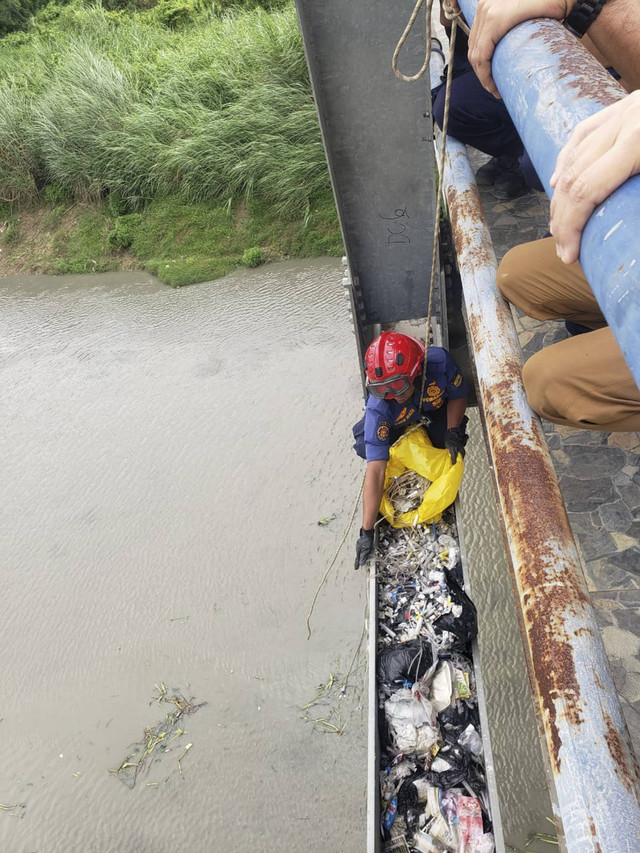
550	82
592	763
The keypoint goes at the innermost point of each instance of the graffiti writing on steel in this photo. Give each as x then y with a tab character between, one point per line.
397	226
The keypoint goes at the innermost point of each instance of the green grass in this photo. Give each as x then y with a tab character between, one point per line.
181	137
220	109
178	241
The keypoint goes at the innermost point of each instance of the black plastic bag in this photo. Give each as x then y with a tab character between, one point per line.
455	719
407	796
456	574
404	662
463	627
461	769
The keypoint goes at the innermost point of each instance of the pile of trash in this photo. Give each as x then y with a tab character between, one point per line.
406	491
432	779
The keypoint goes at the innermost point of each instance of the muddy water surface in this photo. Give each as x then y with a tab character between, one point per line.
167	455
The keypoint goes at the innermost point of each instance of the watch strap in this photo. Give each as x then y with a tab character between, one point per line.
582	15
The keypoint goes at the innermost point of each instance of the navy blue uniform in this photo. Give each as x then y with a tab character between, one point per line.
385	420
477	118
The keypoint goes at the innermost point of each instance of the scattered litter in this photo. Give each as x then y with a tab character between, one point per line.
158	739
327	520
432	778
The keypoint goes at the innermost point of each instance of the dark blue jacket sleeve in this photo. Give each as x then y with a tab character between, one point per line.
377	430
456	383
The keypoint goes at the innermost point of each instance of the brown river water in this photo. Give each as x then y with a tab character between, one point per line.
167	456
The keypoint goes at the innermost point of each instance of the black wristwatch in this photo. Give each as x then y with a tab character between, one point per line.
582	16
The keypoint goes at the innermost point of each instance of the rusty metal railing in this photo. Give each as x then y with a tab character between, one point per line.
591	761
549	82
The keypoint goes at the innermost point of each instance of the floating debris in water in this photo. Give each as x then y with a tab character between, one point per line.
325	705
17	810
159	738
325	710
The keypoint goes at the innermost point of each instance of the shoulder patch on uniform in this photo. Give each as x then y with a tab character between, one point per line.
433	390
457	380
382	433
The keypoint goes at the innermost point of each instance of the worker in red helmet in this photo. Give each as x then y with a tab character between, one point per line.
399	397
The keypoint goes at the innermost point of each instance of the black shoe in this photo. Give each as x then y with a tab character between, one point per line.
575	328
510	183
487	174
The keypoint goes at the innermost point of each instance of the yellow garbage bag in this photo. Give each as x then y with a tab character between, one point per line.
414	451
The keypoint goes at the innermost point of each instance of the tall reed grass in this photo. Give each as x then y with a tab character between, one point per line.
103	103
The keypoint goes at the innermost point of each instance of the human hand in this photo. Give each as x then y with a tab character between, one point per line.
494	18
602	153
363	548
454	441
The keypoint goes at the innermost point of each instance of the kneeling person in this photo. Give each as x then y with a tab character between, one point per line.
397	398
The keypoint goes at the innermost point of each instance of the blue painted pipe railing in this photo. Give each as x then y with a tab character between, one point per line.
549	82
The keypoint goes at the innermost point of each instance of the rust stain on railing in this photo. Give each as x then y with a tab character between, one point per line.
580	713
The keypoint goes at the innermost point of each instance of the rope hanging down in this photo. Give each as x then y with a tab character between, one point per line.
452	15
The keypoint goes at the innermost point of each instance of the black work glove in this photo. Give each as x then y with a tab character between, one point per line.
455	440
363	548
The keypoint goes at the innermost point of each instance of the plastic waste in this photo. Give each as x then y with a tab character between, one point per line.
448	552
415	452
486	844
471	740
397	844
425	843
444	833
441	687
469	824
412	722
389	814
464	626
427	692
451	766
393	776
426	793
449	806
404	662
455	719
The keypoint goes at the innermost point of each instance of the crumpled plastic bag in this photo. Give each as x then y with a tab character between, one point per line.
469	824
455	719
412	721
405	662
463	627
485	844
441	692
471	741
414	451
451	766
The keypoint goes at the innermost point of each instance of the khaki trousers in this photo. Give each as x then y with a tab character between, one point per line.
582	381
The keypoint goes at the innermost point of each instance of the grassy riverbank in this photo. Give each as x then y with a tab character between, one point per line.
179	241
173	136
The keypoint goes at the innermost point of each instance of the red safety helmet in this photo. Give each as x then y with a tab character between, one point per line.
393	362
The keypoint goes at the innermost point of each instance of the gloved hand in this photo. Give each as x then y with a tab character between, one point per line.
363	548
455	440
